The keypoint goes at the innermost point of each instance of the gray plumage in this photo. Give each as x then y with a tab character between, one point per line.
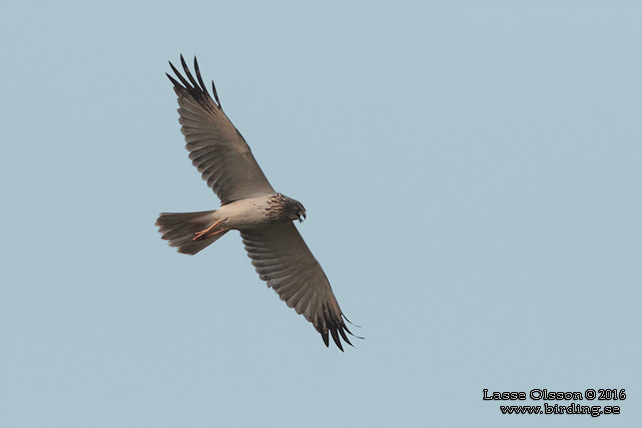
217	149
248	204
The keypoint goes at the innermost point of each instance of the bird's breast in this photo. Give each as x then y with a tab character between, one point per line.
251	213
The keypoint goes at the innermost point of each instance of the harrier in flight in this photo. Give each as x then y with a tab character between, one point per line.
250	205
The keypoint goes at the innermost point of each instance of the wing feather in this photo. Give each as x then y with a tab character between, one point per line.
217	149
284	261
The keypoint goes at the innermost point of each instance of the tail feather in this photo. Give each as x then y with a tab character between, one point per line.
180	228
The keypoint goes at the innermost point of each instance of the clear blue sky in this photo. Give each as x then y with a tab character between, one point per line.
472	173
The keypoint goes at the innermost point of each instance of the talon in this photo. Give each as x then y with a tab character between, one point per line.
205	233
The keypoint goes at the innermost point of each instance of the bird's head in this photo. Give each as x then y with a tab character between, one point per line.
301	214
294	210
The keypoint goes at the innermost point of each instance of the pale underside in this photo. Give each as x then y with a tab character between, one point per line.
277	250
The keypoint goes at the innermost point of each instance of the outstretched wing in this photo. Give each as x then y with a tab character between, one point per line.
285	262
215	146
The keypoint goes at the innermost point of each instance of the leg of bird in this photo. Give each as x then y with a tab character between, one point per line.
205	233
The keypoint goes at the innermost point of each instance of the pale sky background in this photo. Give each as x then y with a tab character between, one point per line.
472	173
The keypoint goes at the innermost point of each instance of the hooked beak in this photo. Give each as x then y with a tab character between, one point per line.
301	215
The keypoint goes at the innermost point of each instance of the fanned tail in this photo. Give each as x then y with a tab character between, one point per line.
182	229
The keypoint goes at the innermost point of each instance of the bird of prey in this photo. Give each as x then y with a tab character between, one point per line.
250	205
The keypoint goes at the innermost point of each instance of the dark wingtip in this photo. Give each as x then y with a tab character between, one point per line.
335	337
195	87
327	323
326	340
337	334
351	333
180	77
345	337
198	76
216	95
346	318
174	82
189	73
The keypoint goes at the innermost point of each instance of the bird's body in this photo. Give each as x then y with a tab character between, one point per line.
253	213
257	212
191	232
248	204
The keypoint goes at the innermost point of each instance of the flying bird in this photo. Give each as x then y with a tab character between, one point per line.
250	205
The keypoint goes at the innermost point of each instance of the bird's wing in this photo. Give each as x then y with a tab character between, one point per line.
216	147
285	262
